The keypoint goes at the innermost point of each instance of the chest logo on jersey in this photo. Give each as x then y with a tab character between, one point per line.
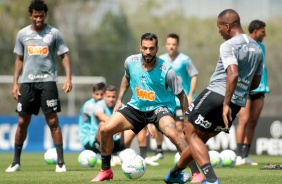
37	50
47	38
145	95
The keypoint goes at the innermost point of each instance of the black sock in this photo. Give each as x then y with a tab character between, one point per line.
159	149
245	150
174	171
17	154
239	150
194	168
209	172
143	151
60	153
106	162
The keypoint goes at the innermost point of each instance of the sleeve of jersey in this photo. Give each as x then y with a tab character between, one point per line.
227	54
172	82
126	69
19	46
191	69
60	44
98	108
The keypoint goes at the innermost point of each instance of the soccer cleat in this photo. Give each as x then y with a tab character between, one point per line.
61	169
238	160
216	182
104	175
181	178
115	160
248	161
14	168
157	157
197	178
148	161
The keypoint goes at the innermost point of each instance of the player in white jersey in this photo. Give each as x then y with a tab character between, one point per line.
35	47
238	71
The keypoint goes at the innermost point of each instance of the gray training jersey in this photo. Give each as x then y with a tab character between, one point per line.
38	49
243	51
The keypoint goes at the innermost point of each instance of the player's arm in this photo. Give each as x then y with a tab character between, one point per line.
67	67
17	72
256	80
193	73
176	87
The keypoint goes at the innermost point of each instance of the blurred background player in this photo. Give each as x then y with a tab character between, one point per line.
249	115
35	47
187	74
95	112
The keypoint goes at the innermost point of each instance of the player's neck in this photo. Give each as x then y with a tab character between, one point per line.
38	29
148	66
173	56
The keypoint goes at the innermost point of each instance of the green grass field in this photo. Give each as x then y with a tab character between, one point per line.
35	170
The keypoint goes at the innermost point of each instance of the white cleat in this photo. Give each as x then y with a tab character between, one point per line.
148	161
15	168
157	157
61	169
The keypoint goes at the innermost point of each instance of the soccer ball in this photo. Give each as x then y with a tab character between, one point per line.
215	158
126	153
134	167
50	156
87	158
228	158
176	157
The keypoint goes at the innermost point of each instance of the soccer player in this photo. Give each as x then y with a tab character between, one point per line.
35	47
249	115
154	85
187	74
238	70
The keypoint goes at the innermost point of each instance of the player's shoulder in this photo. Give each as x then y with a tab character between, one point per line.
25	30
183	57
163	56
134	58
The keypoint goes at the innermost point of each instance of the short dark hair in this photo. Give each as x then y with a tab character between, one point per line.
149	36
173	35
99	86
256	24
38	5
110	88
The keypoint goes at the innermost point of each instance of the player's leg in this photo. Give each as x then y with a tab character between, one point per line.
243	118
159	154
27	105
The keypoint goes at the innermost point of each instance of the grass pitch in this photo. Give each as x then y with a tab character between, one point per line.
35	170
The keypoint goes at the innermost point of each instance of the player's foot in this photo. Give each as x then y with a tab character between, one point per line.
197	178
13	168
148	161
104	175
115	160
238	160
61	168
182	177
216	182
248	161
157	157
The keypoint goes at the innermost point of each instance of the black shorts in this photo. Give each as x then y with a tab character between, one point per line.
205	113
255	96
118	145
36	95
140	119
178	116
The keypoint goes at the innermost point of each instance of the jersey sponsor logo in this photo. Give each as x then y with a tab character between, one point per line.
248	49
37	50
52	103
164	110
163	67
202	122
32	76
47	38
145	95
134	59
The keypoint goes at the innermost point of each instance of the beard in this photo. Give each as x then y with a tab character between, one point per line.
148	59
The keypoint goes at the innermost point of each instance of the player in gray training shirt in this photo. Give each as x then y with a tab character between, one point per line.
237	72
35	47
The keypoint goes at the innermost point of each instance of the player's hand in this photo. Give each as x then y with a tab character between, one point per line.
16	91
118	105
150	131
67	86
226	115
190	99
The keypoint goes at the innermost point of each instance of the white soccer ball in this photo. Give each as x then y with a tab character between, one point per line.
228	158
134	167
87	158
50	156
215	158
176	157
126	153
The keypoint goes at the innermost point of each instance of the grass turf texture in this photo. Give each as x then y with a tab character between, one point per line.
35	170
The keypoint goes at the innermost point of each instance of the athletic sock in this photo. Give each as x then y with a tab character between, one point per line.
143	151
60	153
194	168
209	172
159	149
239	149
245	150
175	171
17	154
106	162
